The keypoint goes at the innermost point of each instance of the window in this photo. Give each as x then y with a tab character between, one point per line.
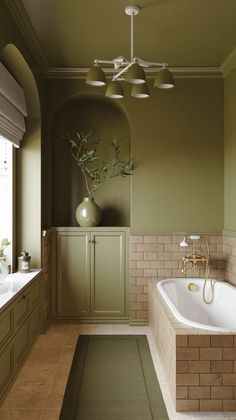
6	194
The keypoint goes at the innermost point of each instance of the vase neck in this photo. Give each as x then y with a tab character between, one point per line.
88	198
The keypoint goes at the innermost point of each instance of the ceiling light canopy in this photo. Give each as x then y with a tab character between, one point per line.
131	70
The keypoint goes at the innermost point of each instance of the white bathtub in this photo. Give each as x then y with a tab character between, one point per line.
188	306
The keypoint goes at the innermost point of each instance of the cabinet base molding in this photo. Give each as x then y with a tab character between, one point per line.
90	320
138	322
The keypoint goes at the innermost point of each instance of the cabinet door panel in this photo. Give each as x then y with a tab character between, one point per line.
35	323
21	344
73	273
22	308
6	368
6	325
108	274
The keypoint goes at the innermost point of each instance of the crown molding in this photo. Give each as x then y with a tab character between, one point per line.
229	63
179	72
20	16
22	20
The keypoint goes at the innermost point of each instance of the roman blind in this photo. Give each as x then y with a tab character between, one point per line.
12	108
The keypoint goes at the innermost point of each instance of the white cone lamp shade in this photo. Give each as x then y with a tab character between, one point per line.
140	91
115	90
164	79
96	76
184	242
135	74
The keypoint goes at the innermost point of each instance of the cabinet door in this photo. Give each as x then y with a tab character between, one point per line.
6	368
35	323
73	274
22	308
21	344
108	288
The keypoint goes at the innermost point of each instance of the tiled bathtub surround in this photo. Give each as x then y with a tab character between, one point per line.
160	256
199	365
229	249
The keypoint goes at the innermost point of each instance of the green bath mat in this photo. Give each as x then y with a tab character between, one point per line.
112	377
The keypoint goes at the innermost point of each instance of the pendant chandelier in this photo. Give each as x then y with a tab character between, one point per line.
131	71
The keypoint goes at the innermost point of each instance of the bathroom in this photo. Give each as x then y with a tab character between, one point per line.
181	141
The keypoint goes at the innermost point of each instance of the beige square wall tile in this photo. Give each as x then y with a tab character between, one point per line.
211	354
186	353
222	366
199	341
201	392
182	392
222	392
187	379
202	366
181	340
229	378
187	405
181	366
229	353
229	405
211	379
210	405
222	340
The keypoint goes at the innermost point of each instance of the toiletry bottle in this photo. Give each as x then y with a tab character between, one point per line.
24	262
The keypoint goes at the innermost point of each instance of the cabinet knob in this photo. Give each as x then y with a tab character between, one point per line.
93	241
89	241
24	297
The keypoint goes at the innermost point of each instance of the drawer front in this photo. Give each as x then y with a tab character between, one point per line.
34	292
6	326
35	323
6	368
22	308
21	344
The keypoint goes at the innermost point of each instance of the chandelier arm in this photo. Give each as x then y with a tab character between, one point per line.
144	63
122	71
103	61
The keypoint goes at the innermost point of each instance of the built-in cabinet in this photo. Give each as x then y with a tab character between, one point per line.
20	324
90	279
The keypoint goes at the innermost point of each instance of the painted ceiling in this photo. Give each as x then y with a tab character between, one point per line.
183	33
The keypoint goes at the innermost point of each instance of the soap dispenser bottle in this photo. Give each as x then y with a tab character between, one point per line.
24	262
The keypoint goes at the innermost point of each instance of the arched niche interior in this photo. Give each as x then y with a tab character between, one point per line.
108	120
27	201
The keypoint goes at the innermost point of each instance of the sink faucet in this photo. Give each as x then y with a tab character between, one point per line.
194	257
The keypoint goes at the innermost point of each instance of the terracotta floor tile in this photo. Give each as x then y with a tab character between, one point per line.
27	396
42	373
21	414
66	356
50	414
45	355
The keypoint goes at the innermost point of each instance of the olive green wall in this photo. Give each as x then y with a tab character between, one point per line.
230	152
177	144
106	118
17	58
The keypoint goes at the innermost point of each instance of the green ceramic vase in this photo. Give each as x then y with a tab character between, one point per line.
88	214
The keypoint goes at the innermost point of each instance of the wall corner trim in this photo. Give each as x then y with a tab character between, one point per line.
229	63
228	232
24	25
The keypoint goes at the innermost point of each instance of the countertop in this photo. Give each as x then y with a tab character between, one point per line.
13	285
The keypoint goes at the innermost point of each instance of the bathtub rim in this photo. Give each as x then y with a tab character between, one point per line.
179	317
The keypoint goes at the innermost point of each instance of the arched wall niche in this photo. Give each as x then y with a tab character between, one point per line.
27	200
108	120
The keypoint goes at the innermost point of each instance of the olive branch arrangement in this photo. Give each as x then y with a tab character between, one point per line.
85	152
4	243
